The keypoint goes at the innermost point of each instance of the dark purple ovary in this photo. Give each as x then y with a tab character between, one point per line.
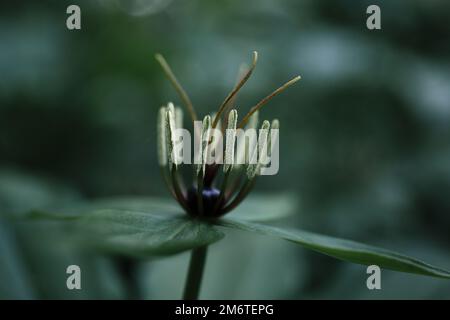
210	199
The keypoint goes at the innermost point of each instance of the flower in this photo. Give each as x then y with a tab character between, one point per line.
215	190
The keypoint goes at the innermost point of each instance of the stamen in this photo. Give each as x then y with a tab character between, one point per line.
171	107
236	89
161	127
179	117
175	182
274	126
205	137
219	121
181	92
266	99
230	140
242	152
253	121
170	140
260	153
215	139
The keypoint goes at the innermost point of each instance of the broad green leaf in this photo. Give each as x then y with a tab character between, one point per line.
142	234
261	207
152	205
342	249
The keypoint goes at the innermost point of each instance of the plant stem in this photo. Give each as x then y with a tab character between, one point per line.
195	273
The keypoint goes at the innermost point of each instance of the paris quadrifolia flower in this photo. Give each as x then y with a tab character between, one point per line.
229	154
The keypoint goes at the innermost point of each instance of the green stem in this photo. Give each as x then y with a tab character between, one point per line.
195	273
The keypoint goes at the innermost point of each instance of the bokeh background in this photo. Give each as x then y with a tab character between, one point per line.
365	135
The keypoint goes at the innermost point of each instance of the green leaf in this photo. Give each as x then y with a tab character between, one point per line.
142	204
262	207
255	208
141	234
342	249
153	205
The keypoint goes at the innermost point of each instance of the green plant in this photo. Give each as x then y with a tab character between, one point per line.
155	227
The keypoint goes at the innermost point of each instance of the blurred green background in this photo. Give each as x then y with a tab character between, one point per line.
365	135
